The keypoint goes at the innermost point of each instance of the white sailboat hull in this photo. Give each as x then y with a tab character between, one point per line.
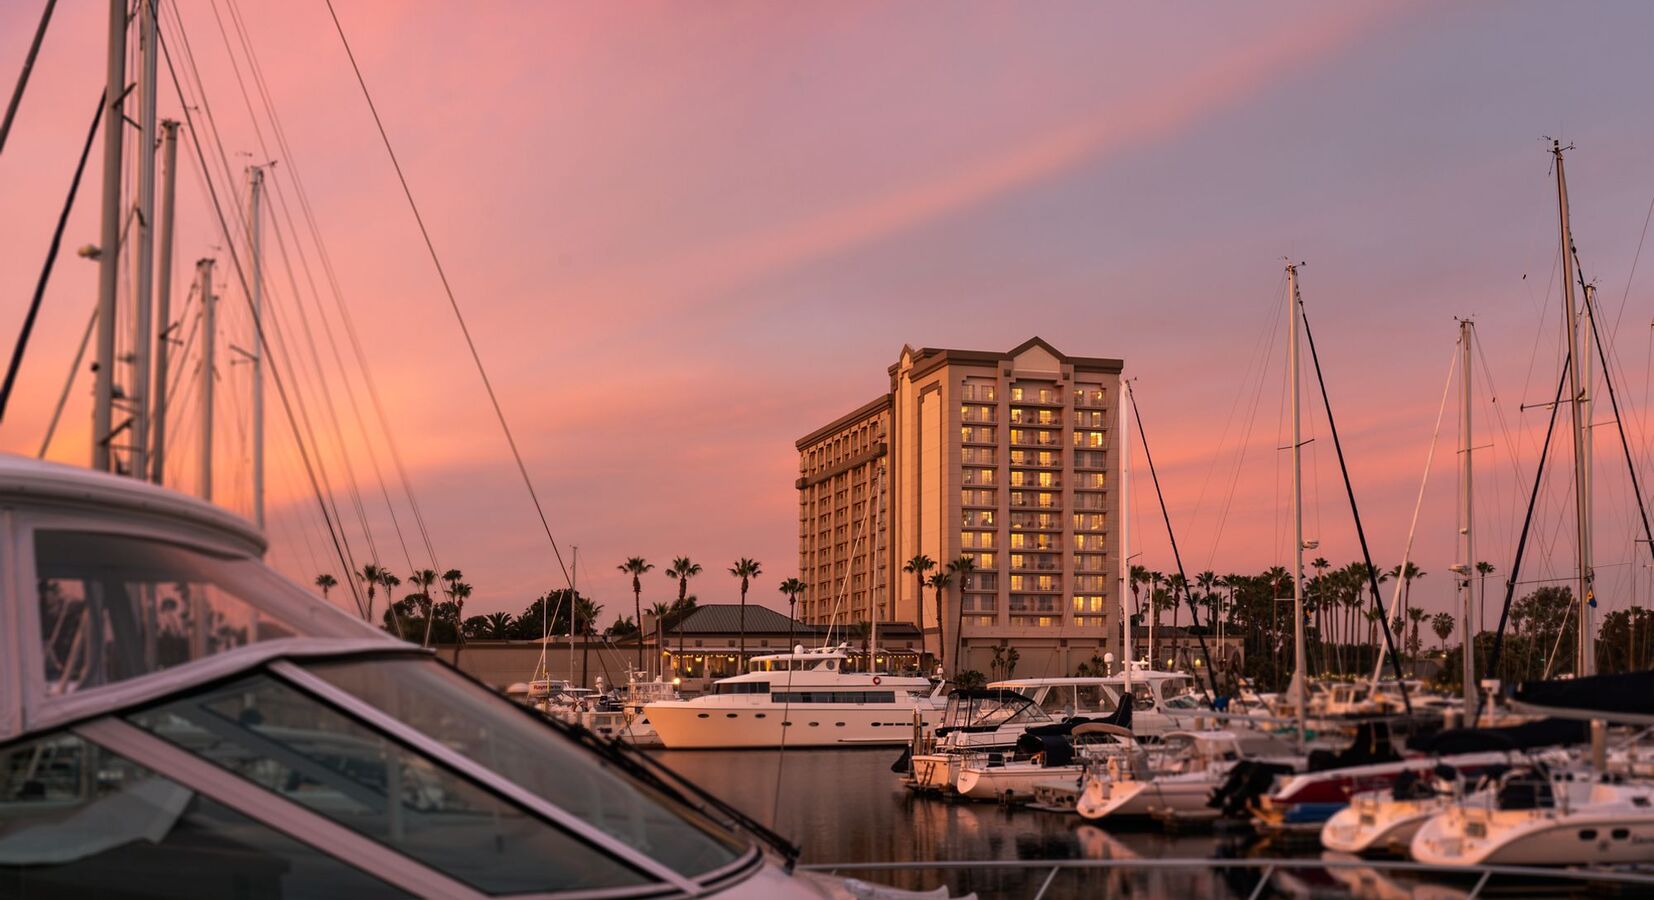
1011	781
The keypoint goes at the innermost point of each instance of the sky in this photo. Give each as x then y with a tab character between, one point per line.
682	236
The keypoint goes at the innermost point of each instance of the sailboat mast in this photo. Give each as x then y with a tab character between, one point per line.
1127	651
143	228
1467	568
255	238
1583	664
209	341
574	608
1300	685
876	495
109	243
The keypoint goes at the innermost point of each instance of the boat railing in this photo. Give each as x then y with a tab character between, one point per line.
1478	878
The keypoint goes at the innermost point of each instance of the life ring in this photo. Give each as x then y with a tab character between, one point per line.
877	680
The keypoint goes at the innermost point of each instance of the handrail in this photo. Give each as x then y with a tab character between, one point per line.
1268	867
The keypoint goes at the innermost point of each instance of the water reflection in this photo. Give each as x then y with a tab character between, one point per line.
846	806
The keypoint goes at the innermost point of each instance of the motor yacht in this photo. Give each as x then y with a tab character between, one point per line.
177	720
973	721
1038	758
800	699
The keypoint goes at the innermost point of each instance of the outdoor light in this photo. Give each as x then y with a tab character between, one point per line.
676	681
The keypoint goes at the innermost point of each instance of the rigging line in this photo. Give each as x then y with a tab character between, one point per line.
68	383
1613	400
344	375
339	304
1171	538
1429	460
52	248
1355	512
28	69
453	301
1246	439
1234	407
1522	541
184	347
340	541
343	451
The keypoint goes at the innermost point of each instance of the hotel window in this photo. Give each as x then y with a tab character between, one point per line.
1016	394
982	560
1089	459
980	603
1048	417
977	455
977	518
1089	418
1088	395
985	581
977	434
1091	562
1089	500
977	540
1090	621
1021	435
1088	521
1092	480
977	476
1034	621
974	413
1090	439
977	497
1048	479
980	620
1089	603
982	391
1088	542
1091	582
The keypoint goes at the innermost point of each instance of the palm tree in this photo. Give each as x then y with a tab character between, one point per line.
372	577
586	611
792	587
635	566
918	566
938	583
498	625
961	567
1413	573
1483	569
327	583
390	583
461	592
682	569
1156	603
1442	624
660	611
1415	616
423	579
746	570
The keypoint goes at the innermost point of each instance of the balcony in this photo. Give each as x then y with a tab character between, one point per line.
1033	437
1042	417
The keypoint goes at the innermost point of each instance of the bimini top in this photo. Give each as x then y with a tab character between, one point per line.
109	586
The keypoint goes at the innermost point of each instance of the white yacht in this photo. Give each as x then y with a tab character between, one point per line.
1568	816
1175	778
800	699
975	722
1038	758
177	720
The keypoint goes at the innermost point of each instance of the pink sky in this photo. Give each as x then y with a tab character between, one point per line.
685	236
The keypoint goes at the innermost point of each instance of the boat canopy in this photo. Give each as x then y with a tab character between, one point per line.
1627	697
1550	732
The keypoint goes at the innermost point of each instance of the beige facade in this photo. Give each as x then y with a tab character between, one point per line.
1006	458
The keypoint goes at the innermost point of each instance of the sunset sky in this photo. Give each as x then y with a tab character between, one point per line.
685	235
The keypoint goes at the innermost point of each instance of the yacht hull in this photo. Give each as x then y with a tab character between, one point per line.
697	725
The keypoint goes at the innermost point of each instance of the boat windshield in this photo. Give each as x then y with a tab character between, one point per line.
991	710
311	753
115	606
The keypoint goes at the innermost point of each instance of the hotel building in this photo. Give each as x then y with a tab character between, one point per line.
1005	458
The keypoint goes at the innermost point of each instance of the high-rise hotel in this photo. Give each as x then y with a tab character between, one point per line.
1005	458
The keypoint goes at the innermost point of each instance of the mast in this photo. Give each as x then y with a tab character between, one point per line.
1467	622
209	334
109	244
574	608
1299	687
1127	650
255	189
138	391
163	301
1583	662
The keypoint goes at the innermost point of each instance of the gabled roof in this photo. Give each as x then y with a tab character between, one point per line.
725	618
927	358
